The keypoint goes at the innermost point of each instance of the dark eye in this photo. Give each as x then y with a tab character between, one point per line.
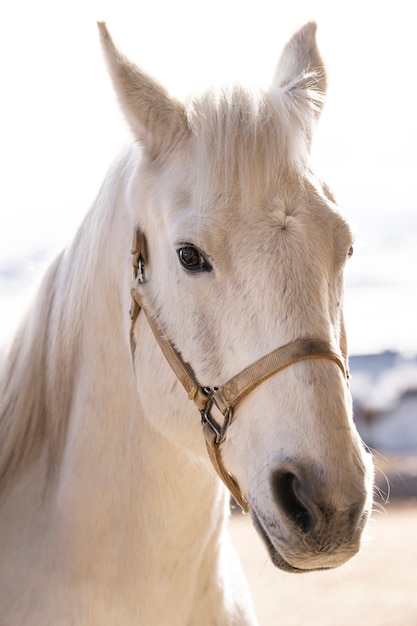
350	252
192	259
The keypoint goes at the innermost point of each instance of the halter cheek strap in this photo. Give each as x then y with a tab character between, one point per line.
226	397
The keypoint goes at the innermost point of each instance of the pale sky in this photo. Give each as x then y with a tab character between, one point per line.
60	127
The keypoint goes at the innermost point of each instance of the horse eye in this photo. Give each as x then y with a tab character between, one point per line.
192	259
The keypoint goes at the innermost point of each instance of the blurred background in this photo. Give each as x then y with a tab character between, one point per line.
60	129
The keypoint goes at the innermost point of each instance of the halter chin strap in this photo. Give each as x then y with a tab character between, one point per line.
226	397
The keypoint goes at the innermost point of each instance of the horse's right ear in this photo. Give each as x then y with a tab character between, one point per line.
156	119
301	66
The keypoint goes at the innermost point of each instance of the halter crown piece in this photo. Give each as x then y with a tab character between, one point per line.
226	397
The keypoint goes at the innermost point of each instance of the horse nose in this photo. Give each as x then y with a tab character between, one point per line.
288	496
304	505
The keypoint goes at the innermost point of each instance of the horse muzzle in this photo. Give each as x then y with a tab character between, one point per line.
304	531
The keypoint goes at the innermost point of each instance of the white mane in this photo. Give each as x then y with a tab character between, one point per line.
39	373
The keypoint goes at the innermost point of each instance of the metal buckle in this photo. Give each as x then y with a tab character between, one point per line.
207	418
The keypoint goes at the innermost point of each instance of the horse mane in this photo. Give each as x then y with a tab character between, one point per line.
38	372
26	382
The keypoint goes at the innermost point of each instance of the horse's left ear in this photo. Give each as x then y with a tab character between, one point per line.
156	119
301	66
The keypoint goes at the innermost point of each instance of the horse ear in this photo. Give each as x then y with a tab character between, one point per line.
301	66
156	119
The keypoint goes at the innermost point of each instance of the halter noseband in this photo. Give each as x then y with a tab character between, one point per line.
228	395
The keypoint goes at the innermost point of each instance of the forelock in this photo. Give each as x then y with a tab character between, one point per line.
247	138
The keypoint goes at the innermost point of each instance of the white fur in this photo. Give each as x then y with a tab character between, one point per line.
110	511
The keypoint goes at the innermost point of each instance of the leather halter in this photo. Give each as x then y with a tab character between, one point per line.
226	397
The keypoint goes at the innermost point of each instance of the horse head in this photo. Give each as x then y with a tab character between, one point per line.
245	253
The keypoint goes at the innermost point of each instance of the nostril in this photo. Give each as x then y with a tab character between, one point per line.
284	487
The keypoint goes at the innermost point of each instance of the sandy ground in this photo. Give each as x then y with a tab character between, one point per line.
377	588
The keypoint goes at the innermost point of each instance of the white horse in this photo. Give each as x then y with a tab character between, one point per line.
110	510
